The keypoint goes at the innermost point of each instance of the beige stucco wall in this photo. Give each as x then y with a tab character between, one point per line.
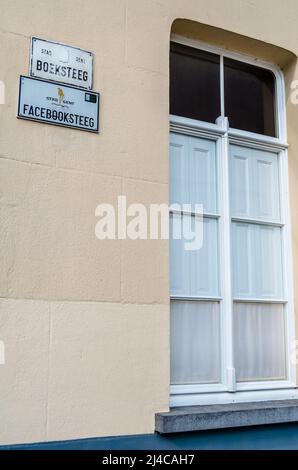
85	323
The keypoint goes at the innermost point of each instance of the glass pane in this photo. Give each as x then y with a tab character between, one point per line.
194	83
259	342
254	184
257	261
249	97
194	272
193	172
195	342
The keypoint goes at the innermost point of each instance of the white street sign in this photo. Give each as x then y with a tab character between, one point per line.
61	63
54	103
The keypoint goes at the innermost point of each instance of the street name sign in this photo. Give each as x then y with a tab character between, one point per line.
54	103
61	63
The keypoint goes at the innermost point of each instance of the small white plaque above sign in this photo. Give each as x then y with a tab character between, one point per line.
61	63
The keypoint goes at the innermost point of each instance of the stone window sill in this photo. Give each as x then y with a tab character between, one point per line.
198	418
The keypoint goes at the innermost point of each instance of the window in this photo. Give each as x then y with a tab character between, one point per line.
249	97
231	300
249	91
195	83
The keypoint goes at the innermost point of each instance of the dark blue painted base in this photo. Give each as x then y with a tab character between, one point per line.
278	437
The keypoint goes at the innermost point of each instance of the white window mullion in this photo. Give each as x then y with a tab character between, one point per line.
226	277
222	87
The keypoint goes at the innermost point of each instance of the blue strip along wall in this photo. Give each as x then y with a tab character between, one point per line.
279	437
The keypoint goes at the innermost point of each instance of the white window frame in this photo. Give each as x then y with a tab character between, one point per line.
182	395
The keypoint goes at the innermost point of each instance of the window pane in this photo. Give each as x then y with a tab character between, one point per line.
193	172
194	83
259	341
194	272
257	261
249	97
254	184
195	342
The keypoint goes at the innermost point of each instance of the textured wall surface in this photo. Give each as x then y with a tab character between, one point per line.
85	323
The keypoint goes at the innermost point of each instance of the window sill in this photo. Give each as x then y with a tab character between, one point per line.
198	418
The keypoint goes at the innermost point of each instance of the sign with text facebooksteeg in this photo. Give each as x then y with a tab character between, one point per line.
54	103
